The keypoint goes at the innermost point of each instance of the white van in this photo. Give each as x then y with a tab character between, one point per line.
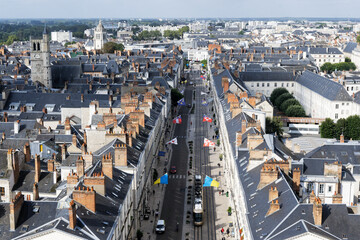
160	226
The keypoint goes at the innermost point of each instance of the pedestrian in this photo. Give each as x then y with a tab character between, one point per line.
153	191
220	192
222	230
227	232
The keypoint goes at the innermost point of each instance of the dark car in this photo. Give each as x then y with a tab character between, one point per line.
147	213
173	169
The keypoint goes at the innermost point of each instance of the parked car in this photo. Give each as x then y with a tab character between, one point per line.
173	169
147	213
160	226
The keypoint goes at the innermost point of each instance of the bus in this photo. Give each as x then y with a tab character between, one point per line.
198	204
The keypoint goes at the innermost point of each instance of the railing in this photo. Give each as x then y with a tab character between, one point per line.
301	120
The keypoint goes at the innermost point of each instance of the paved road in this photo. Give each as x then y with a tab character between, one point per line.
173	203
207	230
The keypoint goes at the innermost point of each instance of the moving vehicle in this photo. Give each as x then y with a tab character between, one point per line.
198	204
173	169
160	226
147	213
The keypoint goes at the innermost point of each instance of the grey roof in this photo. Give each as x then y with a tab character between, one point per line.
350	47
266	76
323	86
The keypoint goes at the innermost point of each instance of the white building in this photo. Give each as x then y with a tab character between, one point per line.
198	54
324	55
62	36
99	36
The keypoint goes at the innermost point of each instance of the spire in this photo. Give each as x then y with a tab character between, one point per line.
45	30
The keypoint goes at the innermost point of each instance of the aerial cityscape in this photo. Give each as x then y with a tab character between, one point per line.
179	120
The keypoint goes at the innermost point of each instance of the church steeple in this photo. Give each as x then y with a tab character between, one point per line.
45	30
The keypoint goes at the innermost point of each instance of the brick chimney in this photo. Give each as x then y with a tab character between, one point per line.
5	117
63	152
254	140
342	139
15	209
107	166
337	198
50	165
236	111
120	155
27	152
312	197
138	114
71	180
85	197
80	168
83	149
267	175
35	192
72	215
37	169
258	125
225	83
273	193
317	212
274	206
82	97
13	163
74	141
296	179
243	126
97	181
238	139
67	126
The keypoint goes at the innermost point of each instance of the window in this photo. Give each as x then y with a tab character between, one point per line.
263	84
268	84
336	116
347	104
287	84
336	106
310	187
329	189
275	84
2	191
321	188
258	84
292	84
343	103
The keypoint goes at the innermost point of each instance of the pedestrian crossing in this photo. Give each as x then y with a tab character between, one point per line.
176	176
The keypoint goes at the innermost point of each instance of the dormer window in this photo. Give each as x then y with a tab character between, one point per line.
50	107
14	106
30	106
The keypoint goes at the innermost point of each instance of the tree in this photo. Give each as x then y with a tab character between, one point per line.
139	234
358	39
282	98
12	38
343	66
327	128
277	92
274	126
175	96
288	103
328	67
110	47
339	127
241	32
352	128
204	62
295	111
347	59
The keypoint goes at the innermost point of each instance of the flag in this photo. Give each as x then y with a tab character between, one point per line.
161	154
209	182
182	92
174	141
204	103
207	119
162	180
177	120
202	77
181	102
208	143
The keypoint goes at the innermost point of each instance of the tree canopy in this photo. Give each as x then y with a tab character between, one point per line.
350	127
110	47
282	98
175	96
295	111
148	35
343	66
274	126
327	128
288	103
277	92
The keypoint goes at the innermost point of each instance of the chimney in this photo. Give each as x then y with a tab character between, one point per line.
5	117
110	100
37	169
74	140
273	194
67	126
238	139
342	139
267	175
71	181
63	152
120	155
225	83
50	165
243	126
72	215
274	206
16	126
83	149
35	192
107	166
296	179
82	97
80	168
258	125
85	197
27	152
96	181
312	197
15	209
317	212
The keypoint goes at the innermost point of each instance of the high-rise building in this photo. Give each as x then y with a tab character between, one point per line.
40	60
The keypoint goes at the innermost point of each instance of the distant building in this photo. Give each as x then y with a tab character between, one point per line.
40	60
62	36
124	35
99	36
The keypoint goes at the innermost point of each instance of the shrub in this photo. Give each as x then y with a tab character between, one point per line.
288	103
276	93
327	128
295	111
282	98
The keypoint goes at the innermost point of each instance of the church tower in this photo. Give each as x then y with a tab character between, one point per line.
40	60
99	36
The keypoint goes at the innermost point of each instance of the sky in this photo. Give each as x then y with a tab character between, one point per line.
179	8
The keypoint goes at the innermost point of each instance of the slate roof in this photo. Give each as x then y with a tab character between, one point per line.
323	86
350	47
266	76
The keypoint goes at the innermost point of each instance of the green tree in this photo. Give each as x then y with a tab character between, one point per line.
277	92
139	234
347	59
274	126
241	32
282	98
175	96
204	62
12	38
110	47
288	103
352	128
358	39
327	128
339	128
328	67
295	111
